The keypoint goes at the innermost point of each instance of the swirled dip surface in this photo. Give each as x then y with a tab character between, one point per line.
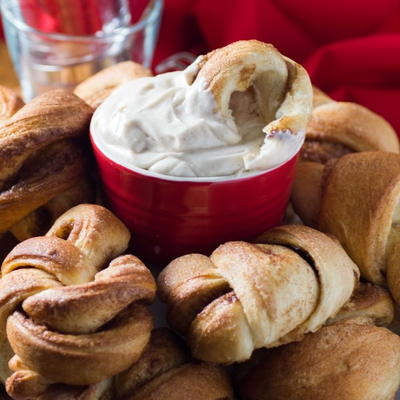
168	124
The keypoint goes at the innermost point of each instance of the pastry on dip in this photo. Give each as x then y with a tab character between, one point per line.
173	148
237	110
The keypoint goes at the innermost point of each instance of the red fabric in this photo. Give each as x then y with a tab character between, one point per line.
351	48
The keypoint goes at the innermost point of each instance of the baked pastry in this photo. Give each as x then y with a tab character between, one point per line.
337	128
238	109
283	89
10	103
95	89
358	202
67	318
307	192
369	304
40	220
343	361
247	296
39	159
165	372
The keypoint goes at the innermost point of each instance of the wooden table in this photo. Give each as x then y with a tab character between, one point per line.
7	74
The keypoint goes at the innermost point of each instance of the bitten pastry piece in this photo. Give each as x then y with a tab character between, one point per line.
344	361
165	372
247	296
10	103
283	88
95	89
359	204
338	128
39	159
68	317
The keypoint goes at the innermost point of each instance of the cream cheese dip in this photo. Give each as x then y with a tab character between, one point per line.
169	124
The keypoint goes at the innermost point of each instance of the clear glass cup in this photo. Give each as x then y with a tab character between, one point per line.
59	43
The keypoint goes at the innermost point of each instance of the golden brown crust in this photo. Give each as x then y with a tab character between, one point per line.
38	159
53	116
339	128
39	221
70	320
164	372
369	303
10	103
307	191
357	199
95	89
248	296
361	193
337	274
335	129
163	353
189	382
283	88
353	126
339	362
42	178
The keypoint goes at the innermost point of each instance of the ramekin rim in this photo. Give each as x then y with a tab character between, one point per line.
212	179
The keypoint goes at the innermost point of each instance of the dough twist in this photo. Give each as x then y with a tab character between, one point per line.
349	360
344	361
165	372
247	296
66	318
337	128
39	159
358	201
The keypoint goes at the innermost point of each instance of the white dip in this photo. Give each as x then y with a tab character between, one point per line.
168	124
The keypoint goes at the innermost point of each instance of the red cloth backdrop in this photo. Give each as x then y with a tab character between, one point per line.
351	48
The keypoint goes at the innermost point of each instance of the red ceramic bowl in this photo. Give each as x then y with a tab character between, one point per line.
171	216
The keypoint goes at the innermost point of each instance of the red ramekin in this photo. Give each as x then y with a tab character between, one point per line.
169	216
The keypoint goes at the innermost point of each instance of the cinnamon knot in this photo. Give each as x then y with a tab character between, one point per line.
67	316
40	160
247	296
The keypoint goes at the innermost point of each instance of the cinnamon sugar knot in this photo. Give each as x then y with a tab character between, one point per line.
67	316
40	162
247	296
337	128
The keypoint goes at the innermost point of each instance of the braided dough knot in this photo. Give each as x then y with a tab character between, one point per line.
67	319
39	157
247	296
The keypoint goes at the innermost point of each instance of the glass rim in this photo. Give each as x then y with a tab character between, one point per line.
154	13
